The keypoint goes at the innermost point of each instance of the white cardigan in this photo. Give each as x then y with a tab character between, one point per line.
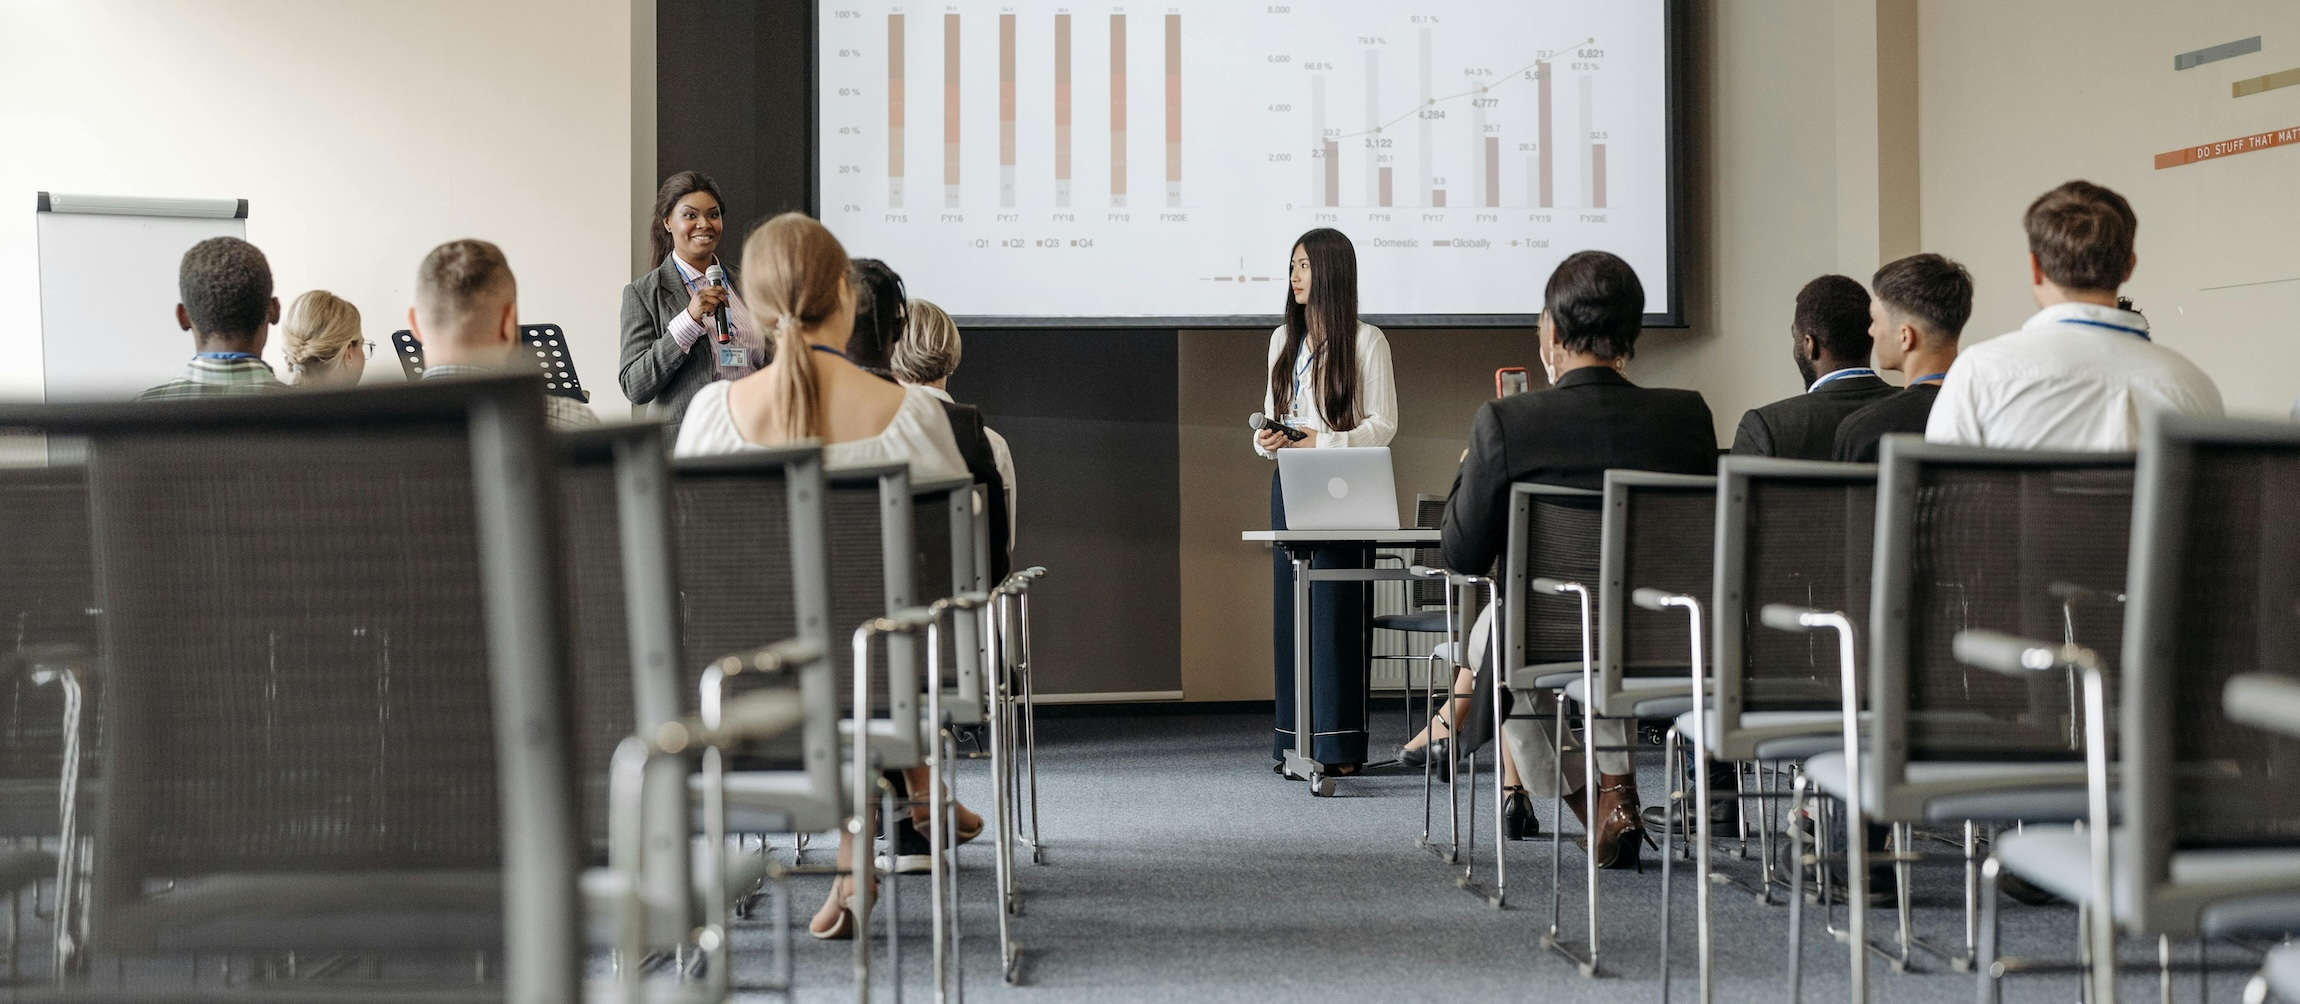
1377	395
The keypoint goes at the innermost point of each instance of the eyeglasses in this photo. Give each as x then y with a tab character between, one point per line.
367	345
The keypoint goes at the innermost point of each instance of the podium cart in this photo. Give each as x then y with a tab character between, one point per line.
1300	765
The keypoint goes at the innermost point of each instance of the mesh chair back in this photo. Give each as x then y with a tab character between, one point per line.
1799	533
1660	532
2215	592
1427	594
47	603
944	511
1977	538
318	612
748	535
874	572
1554	532
599	639
1795	532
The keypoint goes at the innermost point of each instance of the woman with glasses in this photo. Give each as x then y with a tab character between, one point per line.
323	344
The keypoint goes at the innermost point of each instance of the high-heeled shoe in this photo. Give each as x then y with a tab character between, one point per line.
1618	835
843	926
1517	822
1421	756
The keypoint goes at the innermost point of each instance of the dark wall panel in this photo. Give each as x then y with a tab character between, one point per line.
1090	416
731	101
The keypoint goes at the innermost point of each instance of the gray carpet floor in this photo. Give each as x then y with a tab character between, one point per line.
1179	868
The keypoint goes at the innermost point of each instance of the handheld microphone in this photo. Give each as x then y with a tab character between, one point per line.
717	276
1259	422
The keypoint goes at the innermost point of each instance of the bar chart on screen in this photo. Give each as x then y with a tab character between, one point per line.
1464	146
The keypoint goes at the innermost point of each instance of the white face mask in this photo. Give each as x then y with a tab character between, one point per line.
1548	367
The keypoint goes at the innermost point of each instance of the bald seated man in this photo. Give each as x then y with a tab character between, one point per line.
466	315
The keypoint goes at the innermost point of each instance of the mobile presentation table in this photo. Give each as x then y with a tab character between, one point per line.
1300	765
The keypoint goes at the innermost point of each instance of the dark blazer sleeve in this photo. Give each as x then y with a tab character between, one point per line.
1753	437
1477	513
1699	435
650	355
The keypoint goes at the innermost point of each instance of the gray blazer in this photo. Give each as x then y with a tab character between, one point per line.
653	370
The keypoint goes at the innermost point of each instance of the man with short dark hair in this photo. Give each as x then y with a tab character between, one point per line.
2082	371
1829	340
466	316
226	302
1916	314
1588	420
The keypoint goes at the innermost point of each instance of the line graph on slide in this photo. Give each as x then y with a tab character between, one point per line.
1449	138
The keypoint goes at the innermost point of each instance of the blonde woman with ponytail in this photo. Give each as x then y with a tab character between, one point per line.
795	282
796	285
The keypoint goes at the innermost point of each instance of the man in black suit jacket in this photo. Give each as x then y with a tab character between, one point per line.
1829	338
1589	419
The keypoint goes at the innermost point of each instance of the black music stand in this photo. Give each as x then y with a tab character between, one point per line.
546	341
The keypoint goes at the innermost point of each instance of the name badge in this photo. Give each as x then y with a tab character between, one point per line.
734	355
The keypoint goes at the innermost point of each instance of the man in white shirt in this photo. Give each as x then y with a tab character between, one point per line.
2082	371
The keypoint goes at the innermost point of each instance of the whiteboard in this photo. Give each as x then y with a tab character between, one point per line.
108	300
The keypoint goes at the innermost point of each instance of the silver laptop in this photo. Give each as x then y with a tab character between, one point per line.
1343	488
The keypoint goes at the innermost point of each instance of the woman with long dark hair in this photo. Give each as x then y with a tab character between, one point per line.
1330	376
681	330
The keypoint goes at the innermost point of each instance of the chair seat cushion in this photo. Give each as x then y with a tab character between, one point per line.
1648	696
1792	735
1428	622
771	802
1545	675
2041	802
384	912
2059	860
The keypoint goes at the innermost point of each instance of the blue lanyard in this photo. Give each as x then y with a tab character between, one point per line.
832	351
1853	371
1930	378
691	283
2142	332
227	356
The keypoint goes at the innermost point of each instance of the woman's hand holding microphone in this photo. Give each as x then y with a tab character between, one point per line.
706	301
1273	441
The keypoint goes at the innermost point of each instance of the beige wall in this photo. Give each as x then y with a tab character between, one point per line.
2018	97
362	134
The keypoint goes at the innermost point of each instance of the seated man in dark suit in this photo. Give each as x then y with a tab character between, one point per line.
1829	337
1915	316
1590	419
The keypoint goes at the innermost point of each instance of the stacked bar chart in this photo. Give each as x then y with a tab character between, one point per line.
1062	110
1117	109
950	118
1427	130
894	97
1006	111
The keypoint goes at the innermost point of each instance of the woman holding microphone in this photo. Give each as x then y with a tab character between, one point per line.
1330	377
681	328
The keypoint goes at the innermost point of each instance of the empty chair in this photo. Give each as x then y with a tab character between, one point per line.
334	691
2206	848
1788	531
1972	538
1424	610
